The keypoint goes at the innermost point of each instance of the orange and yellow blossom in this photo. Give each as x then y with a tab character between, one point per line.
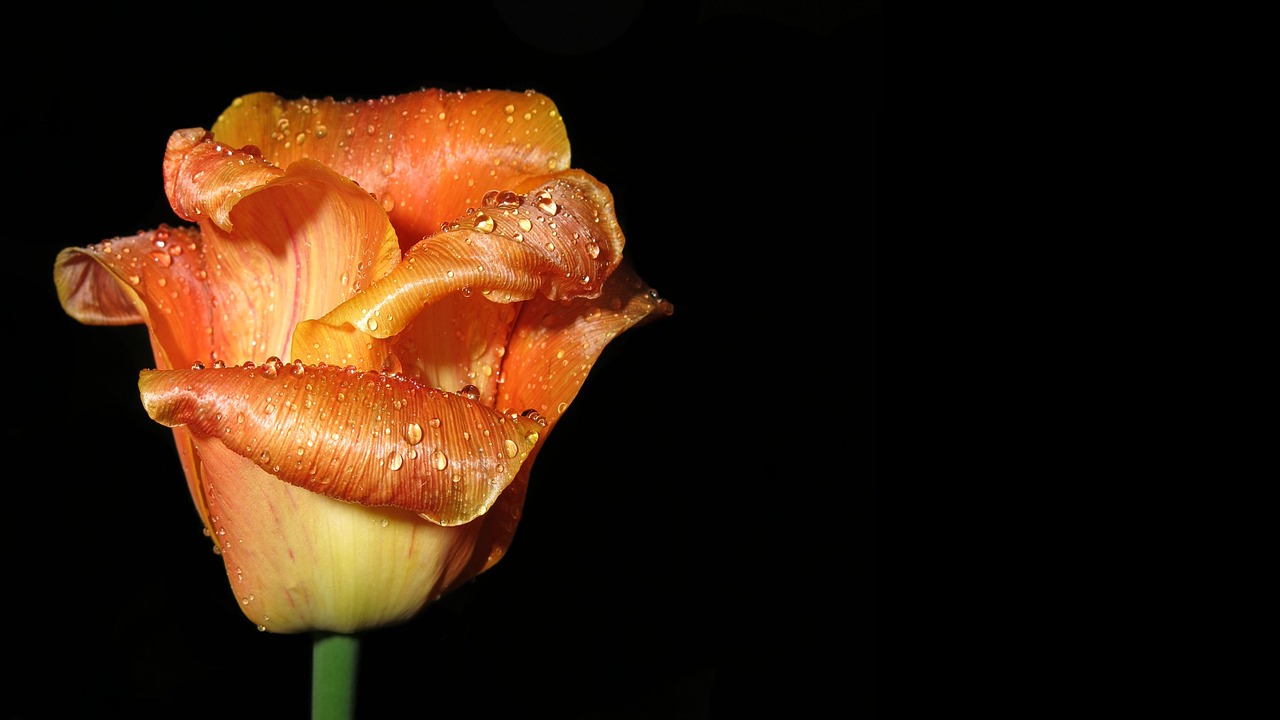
378	314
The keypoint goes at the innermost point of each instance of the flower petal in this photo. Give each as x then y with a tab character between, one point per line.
157	277
556	235
298	561
554	345
365	437
426	155
550	351
279	245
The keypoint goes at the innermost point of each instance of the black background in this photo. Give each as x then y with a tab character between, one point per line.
700	533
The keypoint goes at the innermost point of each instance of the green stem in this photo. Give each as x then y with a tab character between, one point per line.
334	660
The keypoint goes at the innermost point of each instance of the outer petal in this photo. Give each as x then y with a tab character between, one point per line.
426	155
299	561
155	277
555	344
364	437
551	350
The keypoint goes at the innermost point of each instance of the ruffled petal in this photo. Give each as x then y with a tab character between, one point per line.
279	245
550	352
426	155
365	437
157	277
554	235
555	344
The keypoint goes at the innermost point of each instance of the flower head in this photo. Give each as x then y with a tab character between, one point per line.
367	325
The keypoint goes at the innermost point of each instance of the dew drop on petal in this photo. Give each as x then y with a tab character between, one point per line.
394	461
511	448
441	462
546	204
413	432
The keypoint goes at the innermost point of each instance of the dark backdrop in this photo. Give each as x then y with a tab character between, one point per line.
700	534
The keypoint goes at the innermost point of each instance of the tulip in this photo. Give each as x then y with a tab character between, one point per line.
367	323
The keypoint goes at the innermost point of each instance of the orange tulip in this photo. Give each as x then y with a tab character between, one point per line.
377	315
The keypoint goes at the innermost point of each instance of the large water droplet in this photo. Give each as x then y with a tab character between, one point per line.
546	204
470	392
395	460
511	448
271	367
413	433
441	462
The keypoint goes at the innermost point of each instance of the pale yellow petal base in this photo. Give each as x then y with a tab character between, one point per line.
299	561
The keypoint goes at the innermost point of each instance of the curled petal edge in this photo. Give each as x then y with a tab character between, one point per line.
366	437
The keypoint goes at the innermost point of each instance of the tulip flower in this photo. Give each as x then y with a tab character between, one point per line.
367	323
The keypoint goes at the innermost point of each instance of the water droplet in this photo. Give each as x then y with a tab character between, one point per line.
395	461
298	368
413	432
385	522
484	223
593	250
441	462
321	131
509	109
490	198
388	202
525	225
271	367
470	392
344	280
197	365
507	198
373	324
388	165
532	438
511	448
434	422
161	258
